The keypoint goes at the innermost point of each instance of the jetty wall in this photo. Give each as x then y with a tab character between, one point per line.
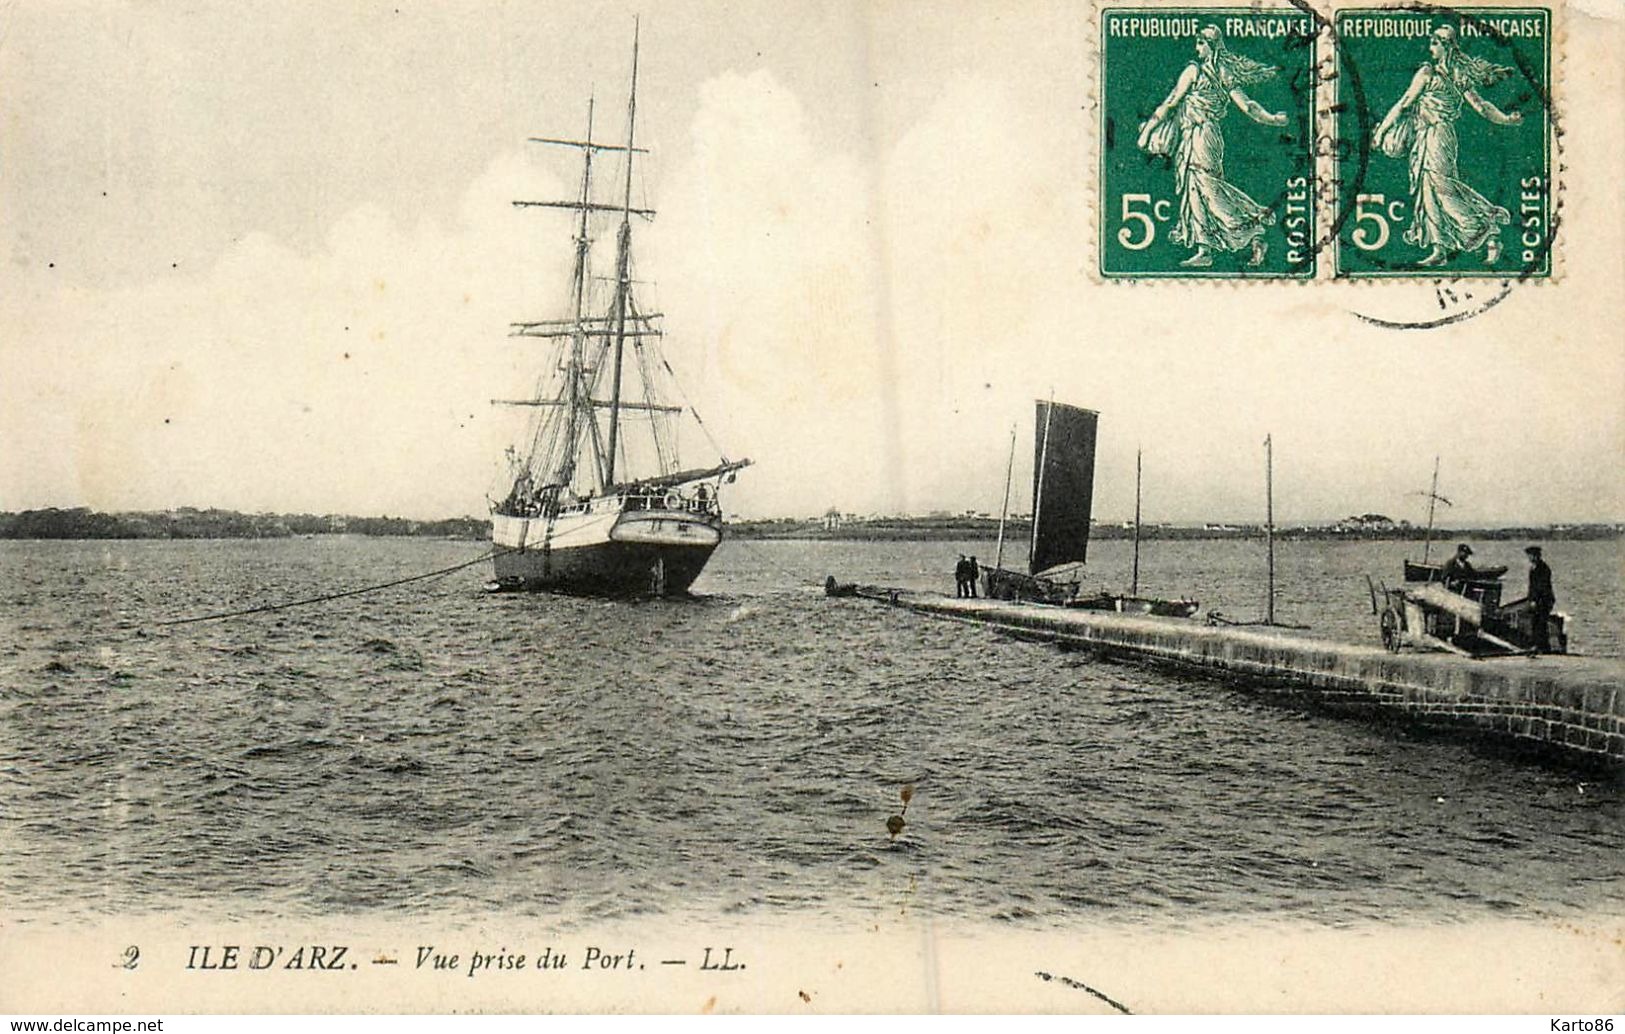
1569	706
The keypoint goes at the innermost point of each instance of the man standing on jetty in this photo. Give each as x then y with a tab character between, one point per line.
1541	599
959	577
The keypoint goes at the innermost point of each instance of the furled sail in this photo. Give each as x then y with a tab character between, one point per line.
1063	485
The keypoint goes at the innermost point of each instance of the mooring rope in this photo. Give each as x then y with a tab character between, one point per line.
338	595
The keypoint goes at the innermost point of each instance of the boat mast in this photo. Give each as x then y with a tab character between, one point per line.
1038	493
623	282
1269	525
1009	469
1134	590
1433	498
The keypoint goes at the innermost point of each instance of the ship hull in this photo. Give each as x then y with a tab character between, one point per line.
1000	583
602	552
1138	605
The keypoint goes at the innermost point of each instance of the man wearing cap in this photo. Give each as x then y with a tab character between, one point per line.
1541	599
1458	568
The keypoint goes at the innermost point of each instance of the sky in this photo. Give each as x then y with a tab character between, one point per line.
262	256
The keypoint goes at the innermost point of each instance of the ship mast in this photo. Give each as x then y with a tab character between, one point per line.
1134	588
594	333
1269	525
1038	488
578	339
578	397
1433	499
623	280
1009	469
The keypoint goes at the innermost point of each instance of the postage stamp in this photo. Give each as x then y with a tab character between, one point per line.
1444	127
1207	142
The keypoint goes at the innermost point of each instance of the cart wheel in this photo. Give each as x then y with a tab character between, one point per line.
1390	630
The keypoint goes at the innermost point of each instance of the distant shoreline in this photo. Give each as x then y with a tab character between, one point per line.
188	523
928	530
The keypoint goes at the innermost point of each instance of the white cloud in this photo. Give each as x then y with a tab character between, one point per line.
354	378
866	315
764	269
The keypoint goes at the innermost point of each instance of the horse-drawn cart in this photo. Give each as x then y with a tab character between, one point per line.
1460	615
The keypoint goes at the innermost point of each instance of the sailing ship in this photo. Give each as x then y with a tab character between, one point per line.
599	502
1063	502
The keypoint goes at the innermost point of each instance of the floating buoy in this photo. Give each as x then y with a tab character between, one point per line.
895	824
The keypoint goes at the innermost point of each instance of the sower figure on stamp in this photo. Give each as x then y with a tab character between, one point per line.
1541	600
1214	215
1449	217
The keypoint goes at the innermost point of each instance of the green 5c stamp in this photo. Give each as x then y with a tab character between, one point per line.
1207	142
1445	156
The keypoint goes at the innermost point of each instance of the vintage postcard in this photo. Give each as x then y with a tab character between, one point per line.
1011	506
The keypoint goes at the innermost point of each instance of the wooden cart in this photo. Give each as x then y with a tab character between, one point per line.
1463	616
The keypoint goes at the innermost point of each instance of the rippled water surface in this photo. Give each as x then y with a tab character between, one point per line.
433	749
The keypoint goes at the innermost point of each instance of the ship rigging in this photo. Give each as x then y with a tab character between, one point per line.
599	501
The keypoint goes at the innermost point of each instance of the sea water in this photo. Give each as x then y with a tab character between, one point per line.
432	749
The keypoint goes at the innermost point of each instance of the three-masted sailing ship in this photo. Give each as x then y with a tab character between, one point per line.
599	501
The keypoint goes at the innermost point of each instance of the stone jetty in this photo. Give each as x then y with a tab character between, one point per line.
1570	707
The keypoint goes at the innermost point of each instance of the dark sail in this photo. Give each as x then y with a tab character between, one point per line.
1063	485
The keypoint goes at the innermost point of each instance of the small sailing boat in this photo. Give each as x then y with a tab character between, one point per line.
1063	501
1134	603
591	511
1063	498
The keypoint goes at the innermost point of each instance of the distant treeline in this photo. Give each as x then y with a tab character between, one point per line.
940	529
187	523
